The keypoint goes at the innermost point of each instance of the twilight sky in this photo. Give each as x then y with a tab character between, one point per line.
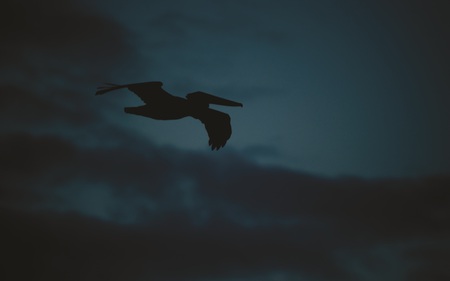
338	167
329	88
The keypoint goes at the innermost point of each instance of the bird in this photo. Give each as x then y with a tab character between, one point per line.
161	105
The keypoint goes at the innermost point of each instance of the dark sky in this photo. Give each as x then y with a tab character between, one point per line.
338	167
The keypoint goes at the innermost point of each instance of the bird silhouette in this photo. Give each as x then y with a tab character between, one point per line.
161	105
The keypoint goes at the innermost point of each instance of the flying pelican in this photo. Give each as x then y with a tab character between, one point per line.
161	105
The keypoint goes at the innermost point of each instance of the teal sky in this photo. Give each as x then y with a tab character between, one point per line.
329	88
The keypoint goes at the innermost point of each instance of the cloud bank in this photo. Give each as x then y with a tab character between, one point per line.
137	211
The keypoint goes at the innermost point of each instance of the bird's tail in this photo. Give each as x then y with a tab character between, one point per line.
108	87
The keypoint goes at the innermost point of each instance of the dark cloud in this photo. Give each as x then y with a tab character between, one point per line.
54	55
50	41
432	256
25	108
26	165
209	219
70	246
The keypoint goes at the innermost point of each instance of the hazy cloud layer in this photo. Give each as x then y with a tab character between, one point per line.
160	213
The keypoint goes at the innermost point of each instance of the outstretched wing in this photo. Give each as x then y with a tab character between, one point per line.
204	98
147	91
217	126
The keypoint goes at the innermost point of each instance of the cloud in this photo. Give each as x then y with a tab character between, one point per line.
27	109
54	55
151	212
49	41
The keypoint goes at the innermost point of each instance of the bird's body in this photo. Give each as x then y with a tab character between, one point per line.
161	105
165	109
